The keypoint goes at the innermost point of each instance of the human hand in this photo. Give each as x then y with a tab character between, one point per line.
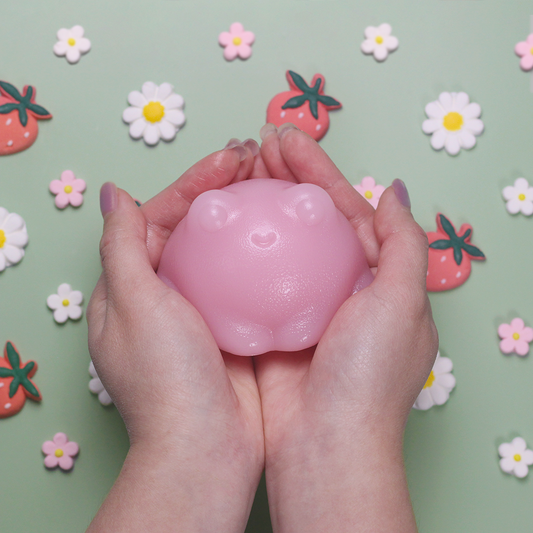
193	414
334	416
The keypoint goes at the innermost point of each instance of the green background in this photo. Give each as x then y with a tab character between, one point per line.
445	45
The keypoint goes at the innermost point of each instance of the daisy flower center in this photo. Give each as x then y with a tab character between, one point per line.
71	41
68	189
379	39
2	238
521	196
368	194
453	121
65	302
153	111
430	380
59	453
516	336
237	41
517	457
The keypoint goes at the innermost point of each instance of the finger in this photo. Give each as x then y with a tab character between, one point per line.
310	164
270	152
165	210
125	261
403	243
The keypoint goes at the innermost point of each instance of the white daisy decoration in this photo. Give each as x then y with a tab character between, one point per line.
96	387
519	197
72	44
453	122
155	113
13	238
438	386
515	457
65	304
379	41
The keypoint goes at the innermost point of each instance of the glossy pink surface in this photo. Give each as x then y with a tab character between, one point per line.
266	262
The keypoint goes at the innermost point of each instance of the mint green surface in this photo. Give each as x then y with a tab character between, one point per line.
445	45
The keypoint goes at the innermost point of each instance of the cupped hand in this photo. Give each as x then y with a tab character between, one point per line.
334	415
193	414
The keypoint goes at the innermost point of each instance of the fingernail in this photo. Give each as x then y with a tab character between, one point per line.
252	146
401	192
108	198
231	143
284	128
241	151
266	130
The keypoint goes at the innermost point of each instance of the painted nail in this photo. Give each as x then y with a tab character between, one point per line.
266	130
401	192
231	143
241	151
252	146
284	128
108	198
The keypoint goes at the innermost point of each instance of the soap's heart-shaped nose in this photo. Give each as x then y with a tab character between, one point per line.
264	240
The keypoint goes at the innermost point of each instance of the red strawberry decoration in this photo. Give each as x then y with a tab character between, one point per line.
304	105
18	118
15	382
450	254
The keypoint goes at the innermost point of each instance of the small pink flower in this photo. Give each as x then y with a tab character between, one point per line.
516	337
68	190
236	42
369	190
524	50
60	452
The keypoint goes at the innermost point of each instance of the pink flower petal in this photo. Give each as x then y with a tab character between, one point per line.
56	186
526	63
75	198
517	324
71	448
248	37
507	345
60	439
521	347
236	29
230	52
49	447
66	462
225	38
62	200
67	176
521	49
51	461
368	183
244	51
505	330
529	39
79	185
527	334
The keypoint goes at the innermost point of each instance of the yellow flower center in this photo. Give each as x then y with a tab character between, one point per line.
368	195
59	453
453	121
2	238
65	302
516	336
68	189
522	197
71	41
379	39
531	51
430	380
153	111
237	41
517	457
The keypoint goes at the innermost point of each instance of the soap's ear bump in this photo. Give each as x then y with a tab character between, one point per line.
309	202
212	209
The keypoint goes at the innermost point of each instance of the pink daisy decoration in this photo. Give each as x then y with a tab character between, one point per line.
68	190
236	42
524	50
515	337
369	190
60	452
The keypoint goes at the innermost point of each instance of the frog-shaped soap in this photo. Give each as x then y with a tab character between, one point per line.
266	262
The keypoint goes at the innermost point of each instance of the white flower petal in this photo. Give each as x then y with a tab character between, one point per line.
84	45
95	386
451	145
13	254
151	134
381	53
12	223
435	110
3	263
391	43
431	125
17	238
521	470
461	100
174	101
424	400
60	315
510	192
384	29
521	185
73	54
505	449
438	139
64	290
439	394
131	114
104	398
77	32
164	91
472	110
475	125
527	208
175	116
167	130
514	206
446	381
371	32
137	128
60	48
368	46
63	34
442	365
149	90
519	444
54	301
3	215
76	297
92	370
136	99
446	101
466	139
74	312
507	464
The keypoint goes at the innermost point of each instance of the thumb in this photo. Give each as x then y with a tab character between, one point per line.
125	260
403	243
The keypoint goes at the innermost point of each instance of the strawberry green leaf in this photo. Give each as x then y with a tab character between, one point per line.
295	101
7	108
441	244
328	100
299	81
12	355
11	90
38	110
473	251
19	375
23	116
447	226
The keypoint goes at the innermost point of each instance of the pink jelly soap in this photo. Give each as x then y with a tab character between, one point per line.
266	262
